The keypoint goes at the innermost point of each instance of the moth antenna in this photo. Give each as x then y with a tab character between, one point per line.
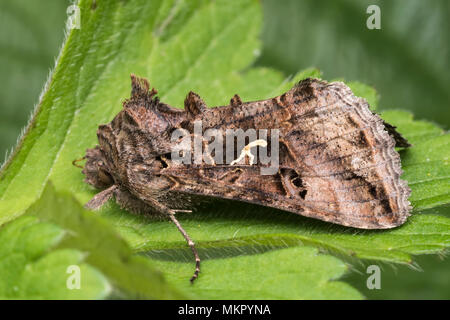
74	162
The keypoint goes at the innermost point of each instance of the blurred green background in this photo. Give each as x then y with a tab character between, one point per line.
407	61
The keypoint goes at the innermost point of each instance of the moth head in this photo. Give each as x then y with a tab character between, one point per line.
96	170
127	145
135	138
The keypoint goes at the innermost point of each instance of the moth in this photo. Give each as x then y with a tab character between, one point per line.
336	159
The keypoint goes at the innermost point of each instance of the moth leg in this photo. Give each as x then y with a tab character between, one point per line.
171	214
101	198
191	245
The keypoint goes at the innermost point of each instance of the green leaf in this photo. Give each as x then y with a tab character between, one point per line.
29	270
426	164
240	228
180	46
294	273
103	248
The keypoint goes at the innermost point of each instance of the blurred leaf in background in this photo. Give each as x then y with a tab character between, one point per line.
429	281
407	60
31	33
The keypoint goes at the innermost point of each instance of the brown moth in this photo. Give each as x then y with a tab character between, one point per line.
336	158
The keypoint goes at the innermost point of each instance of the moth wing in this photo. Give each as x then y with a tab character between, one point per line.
348	163
337	161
